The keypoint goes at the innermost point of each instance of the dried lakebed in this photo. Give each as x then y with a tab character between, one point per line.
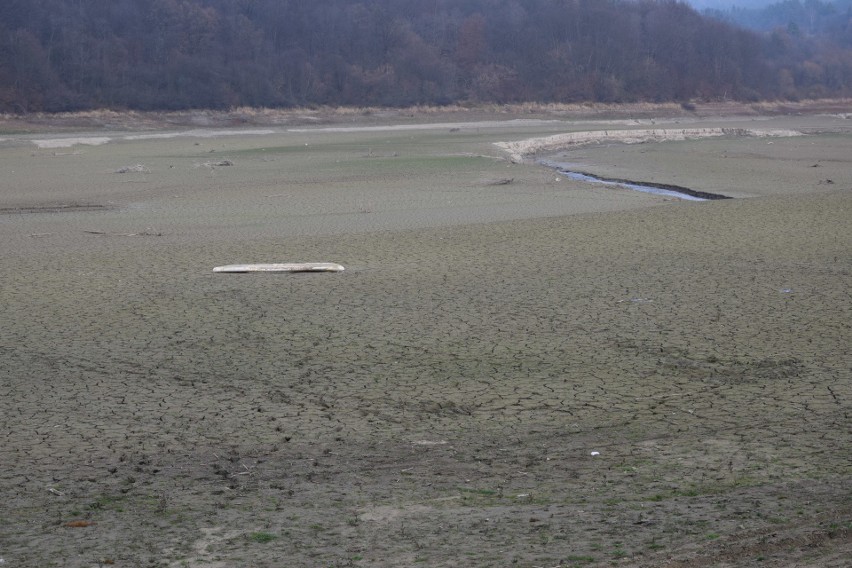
541	373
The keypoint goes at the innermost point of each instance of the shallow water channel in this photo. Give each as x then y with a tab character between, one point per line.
630	185
645	187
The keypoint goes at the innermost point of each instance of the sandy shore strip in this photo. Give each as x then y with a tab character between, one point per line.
519	150
69	141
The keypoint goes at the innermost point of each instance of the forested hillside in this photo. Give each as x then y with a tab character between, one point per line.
58	55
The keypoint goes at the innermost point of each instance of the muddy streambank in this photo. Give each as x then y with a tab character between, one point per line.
553	150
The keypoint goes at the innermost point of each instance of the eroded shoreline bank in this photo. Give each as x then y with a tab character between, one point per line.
521	150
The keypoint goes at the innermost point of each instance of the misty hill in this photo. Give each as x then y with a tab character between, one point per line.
57	55
727	4
814	17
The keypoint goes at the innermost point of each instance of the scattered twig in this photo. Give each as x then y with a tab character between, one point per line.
370	154
138	168
220	163
79	524
145	233
246	472
142	234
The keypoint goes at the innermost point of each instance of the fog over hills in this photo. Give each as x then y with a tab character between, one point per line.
725	4
799	17
748	4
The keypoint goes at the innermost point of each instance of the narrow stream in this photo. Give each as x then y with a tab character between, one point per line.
646	187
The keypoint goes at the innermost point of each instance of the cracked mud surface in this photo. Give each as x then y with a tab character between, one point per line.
438	402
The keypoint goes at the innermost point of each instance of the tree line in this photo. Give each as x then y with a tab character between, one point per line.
61	55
